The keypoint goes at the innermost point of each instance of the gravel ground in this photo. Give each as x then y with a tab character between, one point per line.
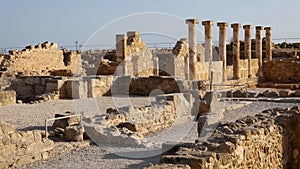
32	116
92	157
28	117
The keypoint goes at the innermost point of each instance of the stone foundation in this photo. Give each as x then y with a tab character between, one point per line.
20	147
129	125
266	140
33	88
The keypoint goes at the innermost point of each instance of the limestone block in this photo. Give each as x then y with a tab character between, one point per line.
7	98
74	133
30	47
297	93
51	86
63	123
46	45
268	93
54	46
130	126
77	89
6	128
38	46
284	93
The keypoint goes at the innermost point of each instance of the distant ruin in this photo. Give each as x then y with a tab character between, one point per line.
41	60
185	82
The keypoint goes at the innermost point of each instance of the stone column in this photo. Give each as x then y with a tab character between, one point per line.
236	50
258	46
121	52
268	43
208	42
247	47
121	43
192	23
222	46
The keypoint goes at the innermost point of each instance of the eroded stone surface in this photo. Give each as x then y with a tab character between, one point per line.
20	147
42	59
260	141
129	126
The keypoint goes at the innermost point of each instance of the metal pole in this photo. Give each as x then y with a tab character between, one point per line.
211	80
76	44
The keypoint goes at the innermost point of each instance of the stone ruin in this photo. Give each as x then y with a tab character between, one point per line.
41	60
187	61
19	148
44	72
129	126
266	140
131	57
22	147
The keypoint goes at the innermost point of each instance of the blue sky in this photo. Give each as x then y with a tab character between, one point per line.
65	21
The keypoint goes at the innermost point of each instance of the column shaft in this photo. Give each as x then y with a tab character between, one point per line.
222	47
192	40
236	50
268	43
121	43
208	42
247	47
258	45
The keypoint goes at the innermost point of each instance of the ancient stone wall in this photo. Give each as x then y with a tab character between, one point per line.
242	93
282	71
31	88
143	86
20	147
172	62
175	63
100	86
91	60
127	126
266	140
140	64
42	59
88	87
131	57
244	68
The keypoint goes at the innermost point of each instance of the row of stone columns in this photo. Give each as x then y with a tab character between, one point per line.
192	23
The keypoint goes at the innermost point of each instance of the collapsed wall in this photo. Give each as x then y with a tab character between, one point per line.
42	59
266	140
22	147
176	63
131	57
129	126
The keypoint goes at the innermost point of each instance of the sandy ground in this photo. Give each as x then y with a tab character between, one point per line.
32	116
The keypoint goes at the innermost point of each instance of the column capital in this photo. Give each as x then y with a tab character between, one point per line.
236	25
259	28
193	21
247	26
222	24
207	23
268	28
